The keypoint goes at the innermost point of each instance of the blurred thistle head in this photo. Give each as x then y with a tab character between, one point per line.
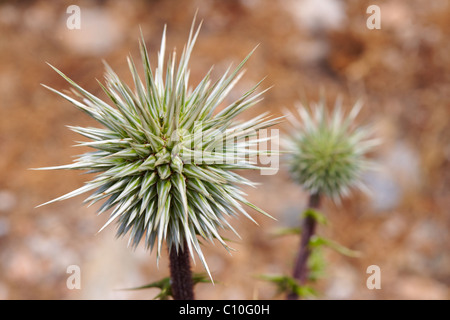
327	151
164	157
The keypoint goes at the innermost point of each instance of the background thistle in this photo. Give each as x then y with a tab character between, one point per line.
327	150
164	157
326	156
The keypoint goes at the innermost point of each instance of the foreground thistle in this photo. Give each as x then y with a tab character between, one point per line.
327	157
165	154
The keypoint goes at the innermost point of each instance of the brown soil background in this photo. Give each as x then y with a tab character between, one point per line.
400	71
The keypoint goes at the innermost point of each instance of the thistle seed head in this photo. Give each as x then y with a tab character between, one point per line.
164	157
327	150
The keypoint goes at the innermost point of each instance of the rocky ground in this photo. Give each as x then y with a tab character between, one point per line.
401	72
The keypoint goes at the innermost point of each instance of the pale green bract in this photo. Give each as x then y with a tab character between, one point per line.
327	151
161	180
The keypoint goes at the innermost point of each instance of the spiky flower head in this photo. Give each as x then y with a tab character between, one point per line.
165	156
327	150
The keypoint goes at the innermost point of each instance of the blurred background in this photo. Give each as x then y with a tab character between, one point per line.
401	72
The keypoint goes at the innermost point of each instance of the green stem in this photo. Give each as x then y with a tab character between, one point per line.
180	273
300	272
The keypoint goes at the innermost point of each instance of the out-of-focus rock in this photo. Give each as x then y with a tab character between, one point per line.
315	15
4	226
8	200
99	33
420	288
398	172
343	280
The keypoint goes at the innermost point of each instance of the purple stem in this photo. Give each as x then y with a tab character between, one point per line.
301	271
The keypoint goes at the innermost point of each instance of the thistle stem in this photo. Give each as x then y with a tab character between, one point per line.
180	273
300	272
